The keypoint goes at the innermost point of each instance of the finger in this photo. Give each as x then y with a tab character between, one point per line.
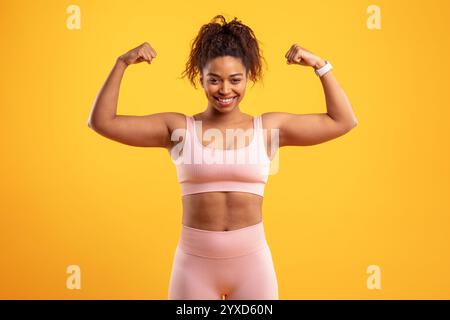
148	48
288	58
142	57
143	54
288	52
148	57
293	52
154	54
291	55
301	54
151	53
297	54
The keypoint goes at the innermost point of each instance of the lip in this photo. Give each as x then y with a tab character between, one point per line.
225	97
226	104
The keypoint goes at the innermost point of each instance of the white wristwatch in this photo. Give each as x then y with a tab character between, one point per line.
321	71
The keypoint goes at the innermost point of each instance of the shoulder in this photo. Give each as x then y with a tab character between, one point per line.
273	120
175	120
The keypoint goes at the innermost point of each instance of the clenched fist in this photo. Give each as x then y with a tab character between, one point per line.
301	56
144	52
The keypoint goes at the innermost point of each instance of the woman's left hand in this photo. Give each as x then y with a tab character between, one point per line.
301	56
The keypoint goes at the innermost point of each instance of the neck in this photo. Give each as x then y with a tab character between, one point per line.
212	114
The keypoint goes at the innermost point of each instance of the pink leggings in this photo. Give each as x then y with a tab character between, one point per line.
211	265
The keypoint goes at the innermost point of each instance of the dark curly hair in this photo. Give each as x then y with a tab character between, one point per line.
225	39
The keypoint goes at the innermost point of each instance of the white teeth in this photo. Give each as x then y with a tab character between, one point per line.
226	100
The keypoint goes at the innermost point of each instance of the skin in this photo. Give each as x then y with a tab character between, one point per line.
232	210
222	211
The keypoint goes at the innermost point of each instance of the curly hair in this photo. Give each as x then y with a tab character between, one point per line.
225	39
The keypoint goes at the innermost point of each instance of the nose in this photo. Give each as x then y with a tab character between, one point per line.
225	89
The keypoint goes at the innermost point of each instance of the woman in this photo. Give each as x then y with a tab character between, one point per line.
222	251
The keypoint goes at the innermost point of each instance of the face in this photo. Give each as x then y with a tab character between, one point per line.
224	77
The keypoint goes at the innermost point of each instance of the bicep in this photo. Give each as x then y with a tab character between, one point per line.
140	131
308	129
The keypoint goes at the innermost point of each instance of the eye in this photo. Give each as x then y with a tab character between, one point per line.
233	80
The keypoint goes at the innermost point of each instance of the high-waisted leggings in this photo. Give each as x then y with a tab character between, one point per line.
234	265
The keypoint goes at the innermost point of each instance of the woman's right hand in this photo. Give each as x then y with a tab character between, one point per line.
143	52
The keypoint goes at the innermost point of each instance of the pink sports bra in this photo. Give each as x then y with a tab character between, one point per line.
204	169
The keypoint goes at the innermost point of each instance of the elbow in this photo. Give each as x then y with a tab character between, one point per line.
350	125
353	125
92	124
354	122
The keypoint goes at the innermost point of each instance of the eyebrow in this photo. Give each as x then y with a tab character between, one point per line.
235	74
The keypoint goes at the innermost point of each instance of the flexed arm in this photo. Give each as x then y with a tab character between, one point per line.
141	131
310	129
105	104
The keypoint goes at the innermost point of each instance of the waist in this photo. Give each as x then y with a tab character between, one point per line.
228	186
222	244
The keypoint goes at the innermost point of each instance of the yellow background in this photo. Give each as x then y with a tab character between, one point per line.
378	195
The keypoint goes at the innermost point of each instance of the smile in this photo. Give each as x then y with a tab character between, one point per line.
225	102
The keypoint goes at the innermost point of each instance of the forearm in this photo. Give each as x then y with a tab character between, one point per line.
339	107
105	104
